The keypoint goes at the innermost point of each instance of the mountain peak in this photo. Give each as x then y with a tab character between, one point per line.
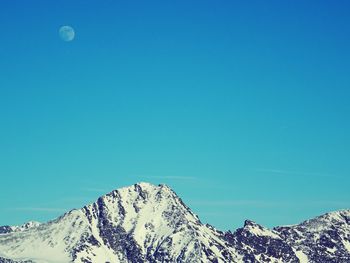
25	226
145	185
150	223
143	188
248	223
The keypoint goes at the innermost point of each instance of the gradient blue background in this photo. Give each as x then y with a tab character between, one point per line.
242	107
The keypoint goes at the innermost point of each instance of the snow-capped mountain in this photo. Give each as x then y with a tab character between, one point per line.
9	229
148	223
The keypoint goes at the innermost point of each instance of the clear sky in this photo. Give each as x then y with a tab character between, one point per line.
242	107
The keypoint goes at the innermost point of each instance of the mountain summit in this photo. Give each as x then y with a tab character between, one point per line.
149	223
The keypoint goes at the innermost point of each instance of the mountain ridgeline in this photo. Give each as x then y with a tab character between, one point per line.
149	223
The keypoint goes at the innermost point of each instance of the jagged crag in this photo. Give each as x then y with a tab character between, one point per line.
148	223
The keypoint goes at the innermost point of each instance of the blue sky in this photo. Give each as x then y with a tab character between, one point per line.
241	107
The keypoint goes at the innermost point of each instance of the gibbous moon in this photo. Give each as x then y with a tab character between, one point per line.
66	33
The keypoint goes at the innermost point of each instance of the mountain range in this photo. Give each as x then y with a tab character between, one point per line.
150	223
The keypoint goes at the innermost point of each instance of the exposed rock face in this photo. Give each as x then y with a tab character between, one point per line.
4	260
148	223
9	229
323	239
259	244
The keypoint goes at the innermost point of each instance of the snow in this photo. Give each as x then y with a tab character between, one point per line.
331	250
261	231
26	226
347	245
155	219
47	242
301	256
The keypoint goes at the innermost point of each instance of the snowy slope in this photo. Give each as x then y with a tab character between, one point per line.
9	229
148	223
323	239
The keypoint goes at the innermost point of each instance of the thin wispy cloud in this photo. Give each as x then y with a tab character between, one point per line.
40	209
233	203
328	203
95	189
291	173
166	177
262	203
221	214
172	177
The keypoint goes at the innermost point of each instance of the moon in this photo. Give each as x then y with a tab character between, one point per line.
66	33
